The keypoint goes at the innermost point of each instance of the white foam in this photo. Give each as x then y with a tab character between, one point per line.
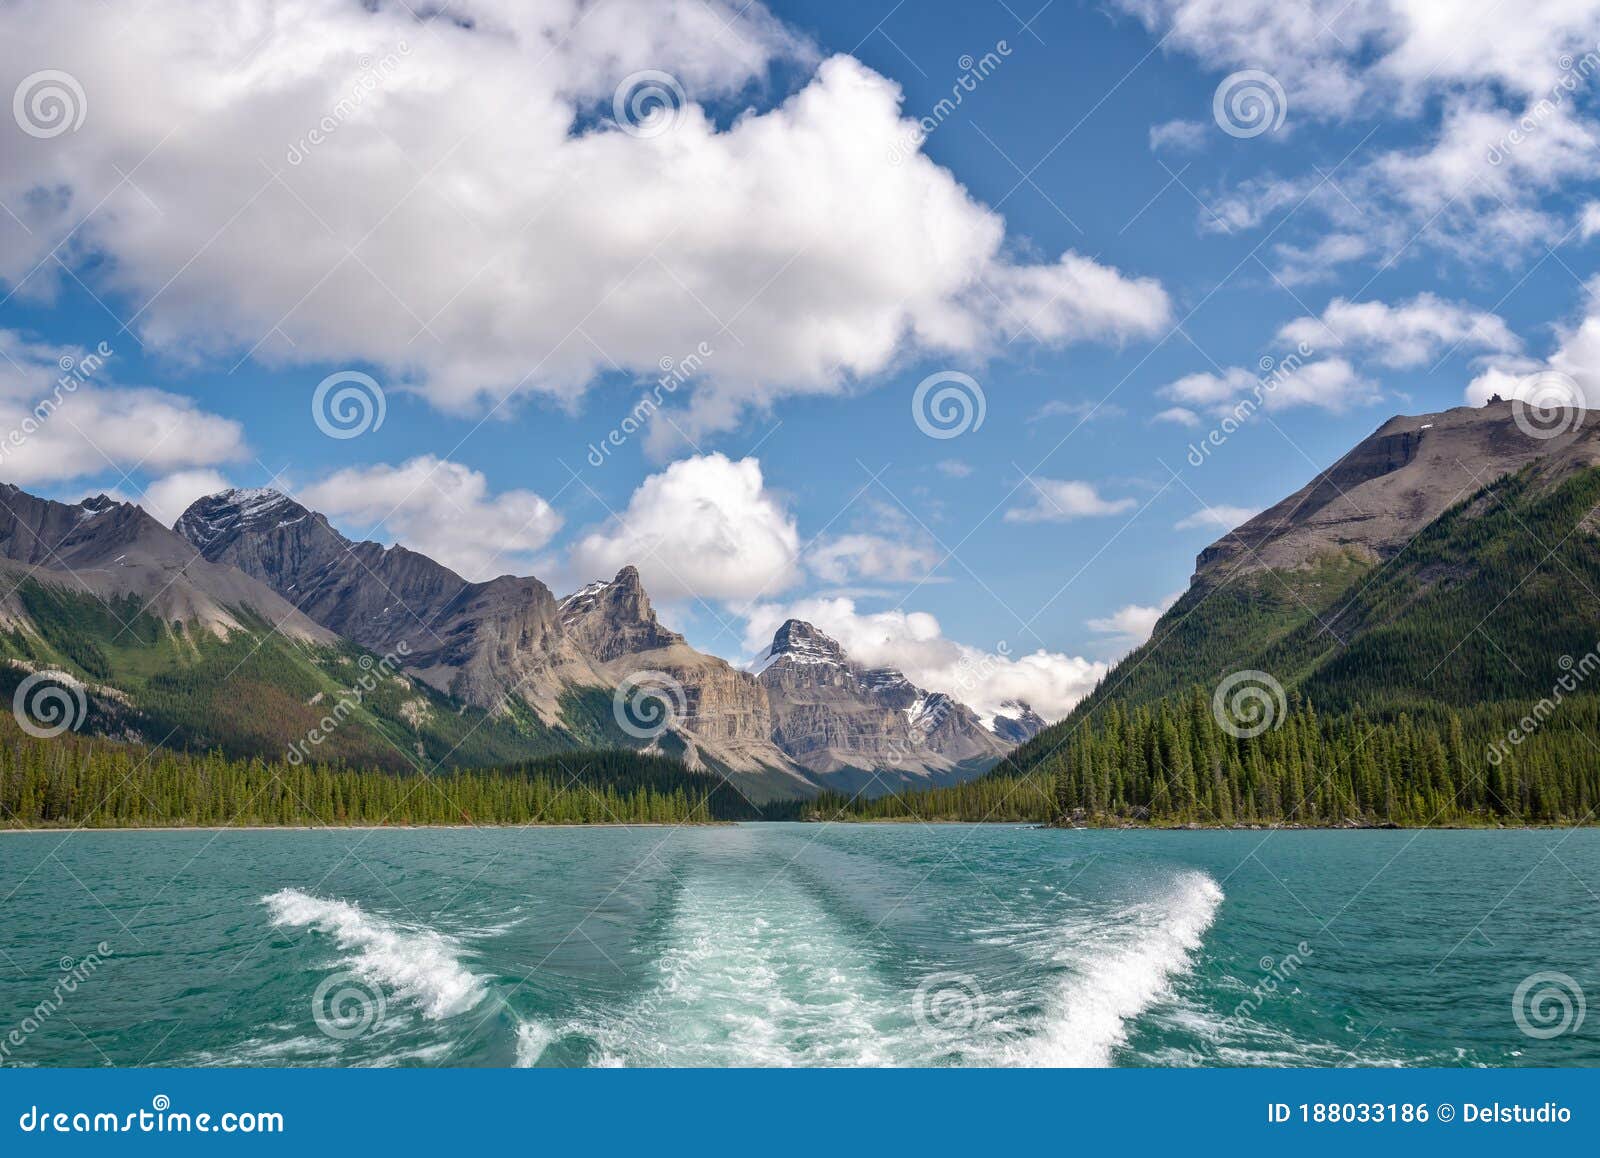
533	1038
1123	965
413	964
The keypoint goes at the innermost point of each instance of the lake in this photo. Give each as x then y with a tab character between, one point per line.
799	944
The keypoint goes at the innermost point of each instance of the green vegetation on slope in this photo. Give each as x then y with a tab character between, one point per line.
257	692
1419	666
1171	763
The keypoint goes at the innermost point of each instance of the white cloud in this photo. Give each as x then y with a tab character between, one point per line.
705	527
913	641
168	497
469	260
1058	500
1181	415
1507	377
1499	93
1329	384
1334	56
1403	335
440	508
873	558
1589	220
953	467
1183	136
61	418
1576	356
1300	265
1083	411
1217	518
1130	626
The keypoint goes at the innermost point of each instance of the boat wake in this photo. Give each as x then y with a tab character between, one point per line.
412	964
1118	965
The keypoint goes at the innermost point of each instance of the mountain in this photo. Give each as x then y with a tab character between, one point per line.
720	715
115	551
486	644
166	646
508	641
1449	561
847	724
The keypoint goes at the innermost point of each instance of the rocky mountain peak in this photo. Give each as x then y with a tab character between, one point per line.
614	619
800	642
229	514
1016	721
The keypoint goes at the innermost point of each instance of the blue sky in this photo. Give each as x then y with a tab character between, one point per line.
483	231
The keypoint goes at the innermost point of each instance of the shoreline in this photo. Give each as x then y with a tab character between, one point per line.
354	827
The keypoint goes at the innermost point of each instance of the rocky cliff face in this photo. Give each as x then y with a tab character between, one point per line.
1393	483
722	713
106	548
479	642
831	715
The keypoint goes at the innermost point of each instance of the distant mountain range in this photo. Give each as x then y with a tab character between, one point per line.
240	628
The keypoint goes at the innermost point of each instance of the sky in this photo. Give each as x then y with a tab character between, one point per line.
926	322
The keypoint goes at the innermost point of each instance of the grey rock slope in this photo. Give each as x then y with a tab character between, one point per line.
106	548
1393	483
832	715
479	642
724	715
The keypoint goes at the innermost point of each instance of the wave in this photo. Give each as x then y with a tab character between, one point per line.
1121	965
412	963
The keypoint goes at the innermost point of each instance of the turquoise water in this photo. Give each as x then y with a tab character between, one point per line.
799	945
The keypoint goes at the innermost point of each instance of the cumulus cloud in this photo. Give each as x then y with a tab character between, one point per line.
471	261
1129	626
953	467
1575	360
61	418
1059	500
168	497
1179	415
1403	335
1181	136
873	558
440	508
1589	220
1510	126
1216	518
913	641
1329	384
706	528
